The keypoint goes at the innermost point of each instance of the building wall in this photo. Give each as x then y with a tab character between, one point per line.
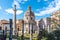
44	24
55	20
29	20
5	26
19	26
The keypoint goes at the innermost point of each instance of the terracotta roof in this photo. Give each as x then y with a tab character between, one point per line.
4	22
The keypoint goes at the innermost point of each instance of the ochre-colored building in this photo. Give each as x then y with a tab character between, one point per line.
19	25
5	25
55	20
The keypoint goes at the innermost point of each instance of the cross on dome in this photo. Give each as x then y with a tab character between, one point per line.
29	7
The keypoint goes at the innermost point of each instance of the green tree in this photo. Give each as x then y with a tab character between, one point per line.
42	33
55	35
50	36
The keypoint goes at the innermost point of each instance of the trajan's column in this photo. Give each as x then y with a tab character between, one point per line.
14	22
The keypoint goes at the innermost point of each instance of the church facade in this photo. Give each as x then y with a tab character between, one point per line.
29	21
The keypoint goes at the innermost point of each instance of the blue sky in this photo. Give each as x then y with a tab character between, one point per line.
41	8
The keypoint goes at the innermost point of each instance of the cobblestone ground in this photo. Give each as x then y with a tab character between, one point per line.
12	39
16	39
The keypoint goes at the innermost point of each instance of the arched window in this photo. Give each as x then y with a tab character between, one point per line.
27	18
18	29
0	28
31	18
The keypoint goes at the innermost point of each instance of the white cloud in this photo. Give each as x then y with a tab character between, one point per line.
21	1
16	3
12	12
9	11
45	0
47	11
53	6
38	0
0	7
41	0
19	11
25	0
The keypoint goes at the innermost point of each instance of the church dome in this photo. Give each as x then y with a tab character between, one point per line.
29	15
29	12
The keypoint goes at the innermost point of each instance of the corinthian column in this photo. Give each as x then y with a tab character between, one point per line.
14	22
